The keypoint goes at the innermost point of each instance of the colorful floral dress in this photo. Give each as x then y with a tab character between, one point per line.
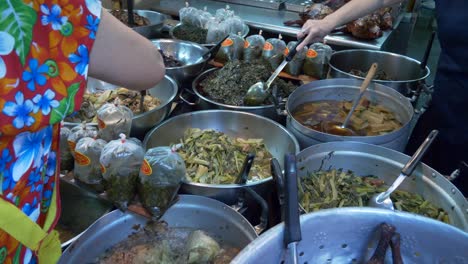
44	55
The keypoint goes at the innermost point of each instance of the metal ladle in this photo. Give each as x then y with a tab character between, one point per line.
382	200
258	92
342	130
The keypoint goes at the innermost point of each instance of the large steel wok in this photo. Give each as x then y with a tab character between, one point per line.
190	212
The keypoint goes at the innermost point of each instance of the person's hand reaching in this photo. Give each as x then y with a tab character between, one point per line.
314	31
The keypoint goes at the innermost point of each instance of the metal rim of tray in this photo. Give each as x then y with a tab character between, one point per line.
384	82
226	186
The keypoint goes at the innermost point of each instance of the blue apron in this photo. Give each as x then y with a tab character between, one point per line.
448	111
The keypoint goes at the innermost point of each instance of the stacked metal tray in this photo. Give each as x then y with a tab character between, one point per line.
270	4
297	5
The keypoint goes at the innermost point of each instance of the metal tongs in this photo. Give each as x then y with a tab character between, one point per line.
290	208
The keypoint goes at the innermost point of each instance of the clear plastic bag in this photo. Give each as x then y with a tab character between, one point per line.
216	31
253	47
188	15
204	17
87	166
294	67
66	157
231	49
79	132
120	164
316	60
235	25
160	177
113	120
224	13
273	51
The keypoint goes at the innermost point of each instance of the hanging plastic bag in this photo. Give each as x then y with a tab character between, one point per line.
216	31
188	15
204	17
253	47
231	49
273	51
66	158
235	25
120	164
113	120
87	166
160	177
316	60
294	67
224	13
79	132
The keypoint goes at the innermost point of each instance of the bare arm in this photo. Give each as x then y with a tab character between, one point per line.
316	30
123	57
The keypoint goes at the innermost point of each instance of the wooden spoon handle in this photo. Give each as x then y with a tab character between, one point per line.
369	77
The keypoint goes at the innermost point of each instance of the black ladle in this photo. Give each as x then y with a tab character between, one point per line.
131	20
427	52
244	174
212	52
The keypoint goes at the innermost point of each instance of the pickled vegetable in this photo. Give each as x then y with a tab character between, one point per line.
213	157
379	75
122	15
368	119
191	33
339	188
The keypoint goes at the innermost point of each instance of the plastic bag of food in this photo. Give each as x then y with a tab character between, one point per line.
294	67
87	166
224	13
253	47
121	161
201	248
113	120
216	31
231	49
235	25
204	16
273	51
316	60
66	157
160	177
188	15
79	132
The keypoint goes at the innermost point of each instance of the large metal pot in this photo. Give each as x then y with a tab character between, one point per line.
236	124
156	23
189	53
347	89
205	103
366	159
245	32
405	71
165	91
190	212
350	235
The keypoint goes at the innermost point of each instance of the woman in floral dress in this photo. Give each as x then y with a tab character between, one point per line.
47	49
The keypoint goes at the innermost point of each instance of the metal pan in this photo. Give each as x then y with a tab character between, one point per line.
190	211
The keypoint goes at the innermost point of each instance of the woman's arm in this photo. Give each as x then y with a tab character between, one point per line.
316	30
123	57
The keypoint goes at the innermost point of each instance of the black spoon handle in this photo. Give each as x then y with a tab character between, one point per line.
428	51
293	51
292	232
131	21
244	174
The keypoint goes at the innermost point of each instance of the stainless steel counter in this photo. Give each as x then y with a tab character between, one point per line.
261	18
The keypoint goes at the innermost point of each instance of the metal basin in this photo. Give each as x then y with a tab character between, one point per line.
189	53
245	32
236	124
365	159
156	23
165	91
405	71
347	89
205	103
79	209
190	211
349	235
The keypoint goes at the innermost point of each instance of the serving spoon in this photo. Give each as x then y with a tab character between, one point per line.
342	130
382	200
258	92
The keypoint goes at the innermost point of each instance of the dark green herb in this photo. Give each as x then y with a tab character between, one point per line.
337	188
121	190
190	33
157	198
230	84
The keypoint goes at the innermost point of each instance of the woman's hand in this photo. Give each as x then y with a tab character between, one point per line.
315	30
